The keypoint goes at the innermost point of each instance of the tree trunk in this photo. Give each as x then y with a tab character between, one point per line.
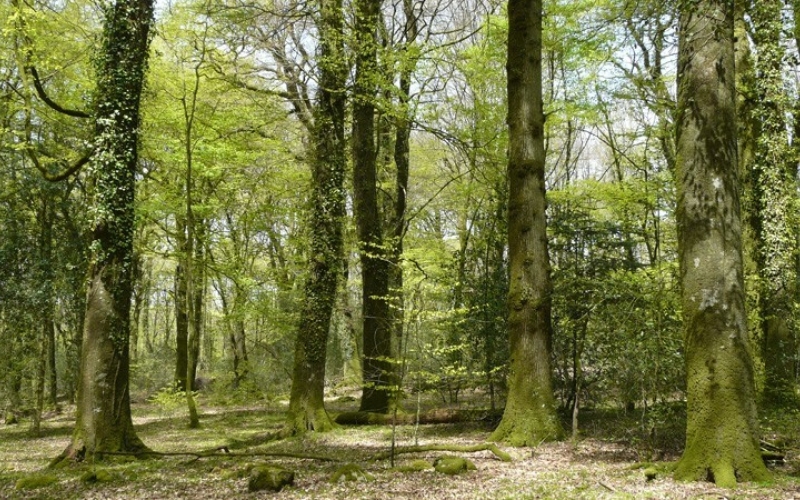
198	297
402	150
377	369
306	405
46	220
181	308
52	375
530	414
775	188
104	421
722	430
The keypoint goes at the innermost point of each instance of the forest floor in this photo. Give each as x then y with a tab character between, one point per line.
609	461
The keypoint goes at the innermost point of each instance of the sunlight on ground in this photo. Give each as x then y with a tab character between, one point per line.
591	469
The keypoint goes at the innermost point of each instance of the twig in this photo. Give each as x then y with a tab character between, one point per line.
606	486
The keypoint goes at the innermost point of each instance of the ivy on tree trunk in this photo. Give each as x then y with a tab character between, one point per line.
306	405
103	408
722	431
774	188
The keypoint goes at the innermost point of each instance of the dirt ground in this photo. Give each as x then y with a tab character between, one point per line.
595	467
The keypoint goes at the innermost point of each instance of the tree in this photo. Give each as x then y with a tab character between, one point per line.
377	367
306	405
721	432
774	187
104	421
530	415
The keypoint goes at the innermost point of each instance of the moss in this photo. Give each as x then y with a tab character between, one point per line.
269	478
35	481
415	466
528	427
96	476
351	472
453	465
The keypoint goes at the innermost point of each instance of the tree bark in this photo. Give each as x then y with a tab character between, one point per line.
530	414
774	187
306	405
181	293
377	369
104	421
402	150
722	430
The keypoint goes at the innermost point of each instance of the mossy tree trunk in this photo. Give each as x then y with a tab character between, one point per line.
377	368
530	415
775	188
306	405
103	408
722	431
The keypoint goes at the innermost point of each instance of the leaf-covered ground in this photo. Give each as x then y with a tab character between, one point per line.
608	463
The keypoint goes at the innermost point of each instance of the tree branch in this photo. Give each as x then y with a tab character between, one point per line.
500	454
37	84
73	169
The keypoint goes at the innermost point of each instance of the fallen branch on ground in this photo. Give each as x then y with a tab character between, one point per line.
500	454
222	451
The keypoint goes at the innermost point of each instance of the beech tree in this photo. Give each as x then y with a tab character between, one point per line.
306	405
722	431
374	259
103	407
530	413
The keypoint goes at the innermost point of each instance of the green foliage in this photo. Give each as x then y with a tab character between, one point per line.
612	307
170	399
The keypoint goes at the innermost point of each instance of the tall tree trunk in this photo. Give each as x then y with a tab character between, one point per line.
377	369
52	374
48	303
198	309
306	405
181	294
104	421
402	150
530	414
722	430
775	188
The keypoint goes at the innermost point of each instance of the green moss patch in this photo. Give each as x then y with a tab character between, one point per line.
34	481
351	472
453	465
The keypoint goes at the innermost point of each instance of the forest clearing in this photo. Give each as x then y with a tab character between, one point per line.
613	459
